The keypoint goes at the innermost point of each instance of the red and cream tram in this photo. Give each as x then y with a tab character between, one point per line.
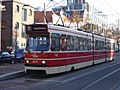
54	49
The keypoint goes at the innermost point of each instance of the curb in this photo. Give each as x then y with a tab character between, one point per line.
12	75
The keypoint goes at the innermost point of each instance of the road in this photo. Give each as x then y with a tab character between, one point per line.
105	76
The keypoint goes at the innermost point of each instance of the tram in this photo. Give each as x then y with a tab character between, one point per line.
55	49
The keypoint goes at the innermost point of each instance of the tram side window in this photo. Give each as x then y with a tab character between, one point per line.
76	44
102	44
89	44
70	45
96	45
99	45
63	42
85	44
108	46
55	42
80	43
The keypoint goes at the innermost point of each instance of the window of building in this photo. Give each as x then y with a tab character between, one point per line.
17	25
76	1
69	1
23	34
17	8
24	14
21	44
30	12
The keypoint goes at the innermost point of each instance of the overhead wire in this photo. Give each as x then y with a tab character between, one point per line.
112	8
106	4
54	4
45	8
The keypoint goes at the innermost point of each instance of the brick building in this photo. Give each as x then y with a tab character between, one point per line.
39	16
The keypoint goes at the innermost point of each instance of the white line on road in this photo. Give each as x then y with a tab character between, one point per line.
100	79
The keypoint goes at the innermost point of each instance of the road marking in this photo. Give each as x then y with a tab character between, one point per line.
85	74
100	79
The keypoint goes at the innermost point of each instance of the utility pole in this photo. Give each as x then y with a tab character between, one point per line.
44	14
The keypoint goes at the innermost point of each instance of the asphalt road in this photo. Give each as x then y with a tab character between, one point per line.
105	76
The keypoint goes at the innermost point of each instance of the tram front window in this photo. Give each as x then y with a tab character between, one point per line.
40	43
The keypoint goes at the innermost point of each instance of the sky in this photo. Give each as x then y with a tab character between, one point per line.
109	7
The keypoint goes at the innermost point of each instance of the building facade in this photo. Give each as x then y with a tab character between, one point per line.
14	19
76	5
39	16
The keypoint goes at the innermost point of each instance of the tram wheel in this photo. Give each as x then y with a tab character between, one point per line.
72	69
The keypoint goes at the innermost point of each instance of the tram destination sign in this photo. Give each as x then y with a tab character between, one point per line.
39	27
35	28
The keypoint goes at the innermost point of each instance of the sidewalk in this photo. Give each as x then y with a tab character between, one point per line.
11	70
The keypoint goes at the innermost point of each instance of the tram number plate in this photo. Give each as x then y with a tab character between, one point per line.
35	62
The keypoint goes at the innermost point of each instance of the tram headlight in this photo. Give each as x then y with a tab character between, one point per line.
27	61
43	62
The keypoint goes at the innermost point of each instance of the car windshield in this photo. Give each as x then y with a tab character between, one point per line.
39	43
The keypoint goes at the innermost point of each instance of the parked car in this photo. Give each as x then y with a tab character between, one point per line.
5	57
19	55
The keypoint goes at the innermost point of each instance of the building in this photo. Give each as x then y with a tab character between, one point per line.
14	19
78	5
39	16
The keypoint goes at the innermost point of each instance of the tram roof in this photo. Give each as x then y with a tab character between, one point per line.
60	27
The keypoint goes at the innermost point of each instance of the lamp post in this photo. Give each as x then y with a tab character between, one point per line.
16	35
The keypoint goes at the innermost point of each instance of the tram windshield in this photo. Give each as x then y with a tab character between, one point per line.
38	43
